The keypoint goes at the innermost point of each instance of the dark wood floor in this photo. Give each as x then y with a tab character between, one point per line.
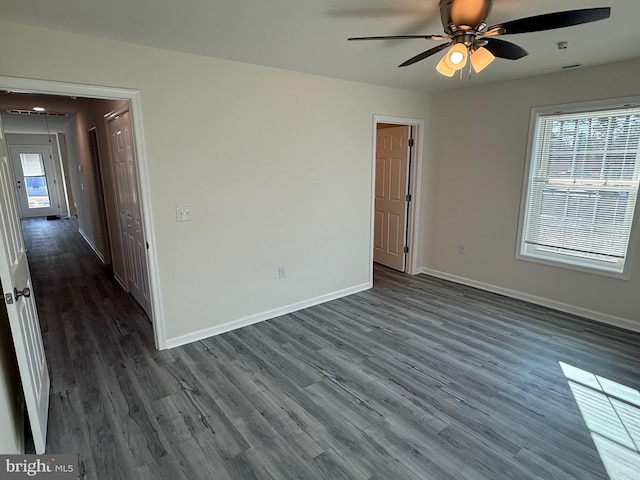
417	378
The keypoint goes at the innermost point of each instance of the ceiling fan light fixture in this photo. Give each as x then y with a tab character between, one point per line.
443	69
456	57
481	59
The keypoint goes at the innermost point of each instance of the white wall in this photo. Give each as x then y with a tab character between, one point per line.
477	150
97	217
276	166
79	183
63	152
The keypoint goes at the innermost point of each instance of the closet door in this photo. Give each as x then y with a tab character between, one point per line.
129	210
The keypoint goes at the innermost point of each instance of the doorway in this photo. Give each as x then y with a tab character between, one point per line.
38	87
35	181
396	166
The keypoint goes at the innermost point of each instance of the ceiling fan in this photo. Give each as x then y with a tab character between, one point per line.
465	27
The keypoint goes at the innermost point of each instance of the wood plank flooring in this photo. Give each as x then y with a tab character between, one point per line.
416	379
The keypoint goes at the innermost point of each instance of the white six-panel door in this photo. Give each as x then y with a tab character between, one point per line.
21	308
390	225
125	174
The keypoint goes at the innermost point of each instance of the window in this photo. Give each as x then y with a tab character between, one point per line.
581	187
35	180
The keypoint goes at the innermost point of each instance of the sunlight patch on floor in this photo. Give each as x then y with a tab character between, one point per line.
611	411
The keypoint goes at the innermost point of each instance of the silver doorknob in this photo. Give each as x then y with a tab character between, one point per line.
25	292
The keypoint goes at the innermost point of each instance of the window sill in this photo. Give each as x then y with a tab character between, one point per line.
574	265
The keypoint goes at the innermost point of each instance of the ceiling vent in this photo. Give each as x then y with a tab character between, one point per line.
32	112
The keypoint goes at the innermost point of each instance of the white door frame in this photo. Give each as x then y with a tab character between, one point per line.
415	173
25	85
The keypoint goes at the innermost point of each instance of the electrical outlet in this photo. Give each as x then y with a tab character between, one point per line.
282	272
183	214
462	249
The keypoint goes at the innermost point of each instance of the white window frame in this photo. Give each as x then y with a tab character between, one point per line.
526	253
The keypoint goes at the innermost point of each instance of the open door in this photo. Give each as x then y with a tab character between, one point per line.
16	285
391	196
123	164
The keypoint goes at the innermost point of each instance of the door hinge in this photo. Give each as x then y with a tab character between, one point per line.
408	198
406	249
8	298
411	142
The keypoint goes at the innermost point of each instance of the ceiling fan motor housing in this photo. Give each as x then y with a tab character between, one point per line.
469	39
460	13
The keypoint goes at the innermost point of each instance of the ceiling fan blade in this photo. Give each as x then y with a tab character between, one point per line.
400	37
503	49
425	54
550	21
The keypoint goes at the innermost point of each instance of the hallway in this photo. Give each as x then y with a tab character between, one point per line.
92	332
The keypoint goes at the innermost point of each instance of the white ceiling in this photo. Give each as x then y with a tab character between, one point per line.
311	36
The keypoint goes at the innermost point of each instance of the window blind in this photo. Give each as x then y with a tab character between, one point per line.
583	184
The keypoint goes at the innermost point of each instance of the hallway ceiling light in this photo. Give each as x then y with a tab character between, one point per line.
39	109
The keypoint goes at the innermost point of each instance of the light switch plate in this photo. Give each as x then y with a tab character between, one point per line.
183	214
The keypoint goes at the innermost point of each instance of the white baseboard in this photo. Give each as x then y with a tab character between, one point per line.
260	317
120	282
93	247
545	302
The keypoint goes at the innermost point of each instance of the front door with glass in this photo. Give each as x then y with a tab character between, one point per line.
35	181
